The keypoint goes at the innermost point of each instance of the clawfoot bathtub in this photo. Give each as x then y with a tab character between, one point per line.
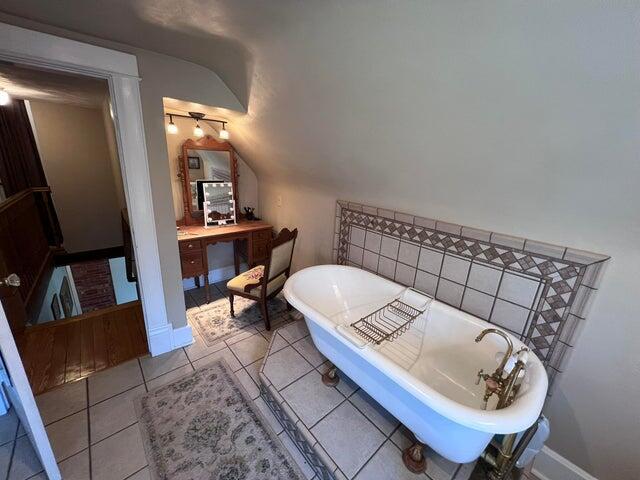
426	377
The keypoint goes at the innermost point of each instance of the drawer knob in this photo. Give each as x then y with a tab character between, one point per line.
190	245
192	262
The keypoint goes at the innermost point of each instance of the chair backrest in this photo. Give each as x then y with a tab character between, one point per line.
281	253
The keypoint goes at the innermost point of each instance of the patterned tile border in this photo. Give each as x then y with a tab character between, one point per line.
567	278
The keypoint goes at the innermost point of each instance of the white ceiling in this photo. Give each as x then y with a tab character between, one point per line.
36	84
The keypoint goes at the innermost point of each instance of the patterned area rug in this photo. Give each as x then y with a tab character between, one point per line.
205	426
214	322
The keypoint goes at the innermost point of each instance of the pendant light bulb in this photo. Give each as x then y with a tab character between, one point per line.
5	98
172	128
224	133
198	131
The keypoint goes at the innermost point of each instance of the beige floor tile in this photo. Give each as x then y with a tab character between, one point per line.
199	348
311	399
387	463
153	367
285	366
169	377
250	349
6	451
25	463
76	467
348	437
69	435
248	383
143	474
225	353
114	380
62	401
8	426
114	414
125	446
309	351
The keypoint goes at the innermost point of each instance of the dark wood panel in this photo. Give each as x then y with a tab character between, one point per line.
59	352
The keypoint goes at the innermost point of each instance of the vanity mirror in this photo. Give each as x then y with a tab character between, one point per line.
204	162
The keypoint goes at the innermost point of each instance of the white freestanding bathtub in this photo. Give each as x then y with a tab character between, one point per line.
426	377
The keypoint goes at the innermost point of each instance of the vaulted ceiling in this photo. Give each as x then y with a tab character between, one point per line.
348	94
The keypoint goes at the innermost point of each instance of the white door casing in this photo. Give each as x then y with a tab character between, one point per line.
121	71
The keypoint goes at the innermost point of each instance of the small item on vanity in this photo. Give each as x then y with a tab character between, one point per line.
249	215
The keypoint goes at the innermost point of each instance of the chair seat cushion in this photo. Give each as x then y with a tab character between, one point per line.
252	276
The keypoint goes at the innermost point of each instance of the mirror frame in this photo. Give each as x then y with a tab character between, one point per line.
205	143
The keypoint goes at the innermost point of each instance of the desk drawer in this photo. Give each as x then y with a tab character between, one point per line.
259	251
261	235
191	263
189	246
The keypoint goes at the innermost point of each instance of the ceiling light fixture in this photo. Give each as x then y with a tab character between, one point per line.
197	131
5	98
172	128
224	133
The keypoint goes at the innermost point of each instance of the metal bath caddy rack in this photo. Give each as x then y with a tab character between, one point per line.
390	321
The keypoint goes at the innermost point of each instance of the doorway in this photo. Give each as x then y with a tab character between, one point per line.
81	308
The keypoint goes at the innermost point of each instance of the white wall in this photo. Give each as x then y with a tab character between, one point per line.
74	151
114	157
522	119
221	254
125	291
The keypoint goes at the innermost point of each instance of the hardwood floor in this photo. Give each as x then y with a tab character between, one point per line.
64	351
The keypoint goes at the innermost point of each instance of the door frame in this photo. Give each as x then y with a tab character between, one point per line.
121	71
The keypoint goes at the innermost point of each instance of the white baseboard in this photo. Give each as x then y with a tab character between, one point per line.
549	465
182	336
167	338
216	275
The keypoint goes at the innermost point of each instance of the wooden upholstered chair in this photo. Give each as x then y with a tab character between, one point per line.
264	282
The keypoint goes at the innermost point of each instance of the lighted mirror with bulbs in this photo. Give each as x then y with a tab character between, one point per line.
204	162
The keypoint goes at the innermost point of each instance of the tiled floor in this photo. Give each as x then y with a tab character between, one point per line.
92	423
93	427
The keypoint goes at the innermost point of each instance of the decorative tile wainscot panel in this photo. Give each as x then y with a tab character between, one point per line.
539	292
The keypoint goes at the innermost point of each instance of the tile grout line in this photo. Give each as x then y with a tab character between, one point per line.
89	431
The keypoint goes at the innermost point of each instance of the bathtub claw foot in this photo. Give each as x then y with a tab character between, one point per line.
330	377
414	459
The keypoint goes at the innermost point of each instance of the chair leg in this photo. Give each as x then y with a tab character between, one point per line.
265	314
233	314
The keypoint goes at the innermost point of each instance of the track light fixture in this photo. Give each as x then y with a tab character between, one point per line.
224	133
172	128
197	131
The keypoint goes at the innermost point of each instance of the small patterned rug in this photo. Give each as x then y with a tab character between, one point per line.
205	426
214	322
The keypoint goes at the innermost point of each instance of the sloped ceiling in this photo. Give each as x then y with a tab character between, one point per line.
350	94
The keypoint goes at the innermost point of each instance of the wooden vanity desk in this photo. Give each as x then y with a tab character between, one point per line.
193	241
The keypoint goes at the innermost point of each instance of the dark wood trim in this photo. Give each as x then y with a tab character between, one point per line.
205	143
88	255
